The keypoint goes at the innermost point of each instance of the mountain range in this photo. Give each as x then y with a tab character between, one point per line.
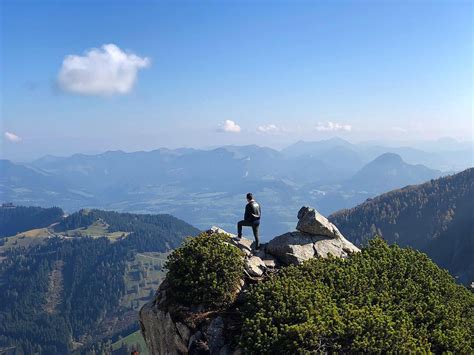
114	261
206	187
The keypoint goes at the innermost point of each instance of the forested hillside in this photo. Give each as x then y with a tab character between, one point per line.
18	219
142	227
436	217
76	287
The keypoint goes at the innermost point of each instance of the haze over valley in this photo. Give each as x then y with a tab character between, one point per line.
207	187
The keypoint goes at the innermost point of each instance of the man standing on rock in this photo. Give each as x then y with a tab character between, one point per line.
251	219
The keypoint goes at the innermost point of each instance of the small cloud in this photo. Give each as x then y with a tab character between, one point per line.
12	137
332	127
229	126
269	128
105	71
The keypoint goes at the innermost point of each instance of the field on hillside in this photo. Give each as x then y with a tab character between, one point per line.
143	276
133	341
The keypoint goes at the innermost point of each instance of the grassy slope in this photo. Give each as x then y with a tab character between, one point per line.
131	340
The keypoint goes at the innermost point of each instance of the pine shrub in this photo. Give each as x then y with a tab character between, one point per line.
205	270
384	299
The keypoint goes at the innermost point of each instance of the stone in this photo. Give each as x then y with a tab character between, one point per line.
270	263
255	266
216	230
312	222
162	335
296	247
291	247
215	335
195	337
244	244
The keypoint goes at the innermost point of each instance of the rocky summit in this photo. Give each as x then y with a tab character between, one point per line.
168	329
312	222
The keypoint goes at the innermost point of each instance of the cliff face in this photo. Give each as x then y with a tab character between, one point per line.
171	329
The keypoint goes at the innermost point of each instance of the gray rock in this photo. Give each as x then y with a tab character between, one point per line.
291	247
270	263
215	230
255	266
339	247
312	222
162	335
215	335
195	337
296	247
244	244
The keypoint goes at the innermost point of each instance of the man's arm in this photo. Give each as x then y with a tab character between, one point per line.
248	212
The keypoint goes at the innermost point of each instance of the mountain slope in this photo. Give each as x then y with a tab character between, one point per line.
20	218
81	280
436	217
388	171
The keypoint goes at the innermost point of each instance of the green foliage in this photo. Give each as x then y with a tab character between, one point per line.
20	218
382	299
205	270
158	232
93	283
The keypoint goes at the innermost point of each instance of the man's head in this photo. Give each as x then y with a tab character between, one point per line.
249	196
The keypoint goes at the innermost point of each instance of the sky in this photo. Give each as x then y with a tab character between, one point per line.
90	76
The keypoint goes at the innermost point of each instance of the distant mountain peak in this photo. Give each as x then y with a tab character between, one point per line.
391	158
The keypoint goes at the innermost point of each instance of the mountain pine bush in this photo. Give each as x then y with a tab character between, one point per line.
205	270
383	299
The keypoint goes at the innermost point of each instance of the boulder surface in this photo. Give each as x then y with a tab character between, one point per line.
312	222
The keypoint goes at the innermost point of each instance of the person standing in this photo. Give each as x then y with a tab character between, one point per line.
251	219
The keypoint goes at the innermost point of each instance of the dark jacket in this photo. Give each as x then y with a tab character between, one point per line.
252	211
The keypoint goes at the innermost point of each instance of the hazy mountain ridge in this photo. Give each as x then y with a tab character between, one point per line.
387	172
436	217
205	187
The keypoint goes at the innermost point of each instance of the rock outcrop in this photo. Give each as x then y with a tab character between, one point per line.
171	329
312	222
315	237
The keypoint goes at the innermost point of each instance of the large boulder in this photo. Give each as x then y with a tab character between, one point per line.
292	247
312	222
296	247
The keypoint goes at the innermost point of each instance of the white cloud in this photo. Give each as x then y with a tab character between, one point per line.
12	137
269	128
229	126
104	71
332	127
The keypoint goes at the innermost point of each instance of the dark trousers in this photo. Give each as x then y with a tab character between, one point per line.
254	225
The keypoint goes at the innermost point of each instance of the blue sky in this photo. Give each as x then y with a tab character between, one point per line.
210	73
